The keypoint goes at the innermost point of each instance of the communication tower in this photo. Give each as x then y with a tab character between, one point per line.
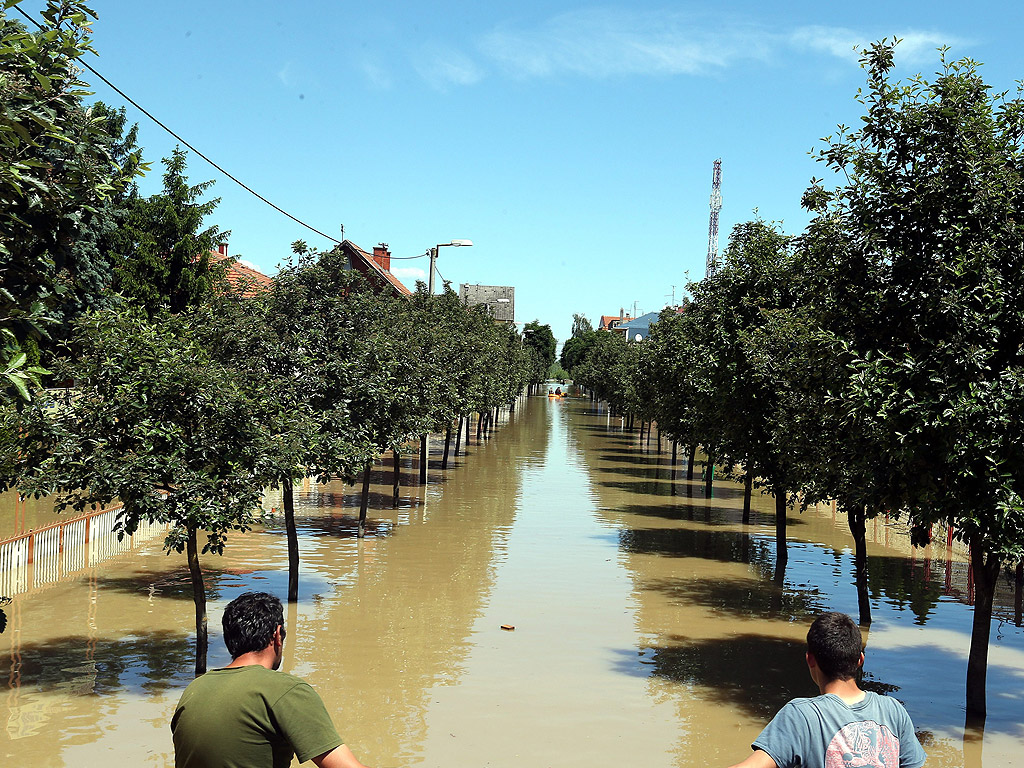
716	205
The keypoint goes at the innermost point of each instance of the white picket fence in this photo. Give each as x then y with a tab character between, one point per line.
45	556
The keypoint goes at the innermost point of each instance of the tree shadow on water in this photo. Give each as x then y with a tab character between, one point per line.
175	583
222	584
680	510
639	458
76	665
755	673
345	526
698	510
655	472
643	487
379	500
744	597
341	526
759	673
715	544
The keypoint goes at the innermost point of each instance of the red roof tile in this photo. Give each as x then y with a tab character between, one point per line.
247	281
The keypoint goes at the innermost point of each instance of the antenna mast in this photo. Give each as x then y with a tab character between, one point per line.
716	206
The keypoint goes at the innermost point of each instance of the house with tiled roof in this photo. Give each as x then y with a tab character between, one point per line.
375	267
611	322
242	278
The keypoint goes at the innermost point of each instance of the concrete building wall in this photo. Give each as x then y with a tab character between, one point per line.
500	299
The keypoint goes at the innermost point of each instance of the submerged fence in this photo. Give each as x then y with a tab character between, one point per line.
46	555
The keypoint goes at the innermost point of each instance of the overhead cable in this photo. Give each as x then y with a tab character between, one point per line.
148	114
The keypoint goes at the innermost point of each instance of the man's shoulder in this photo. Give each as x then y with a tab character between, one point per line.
253	677
871	703
803	704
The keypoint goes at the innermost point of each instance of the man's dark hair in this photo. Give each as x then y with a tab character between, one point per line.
835	642
249	622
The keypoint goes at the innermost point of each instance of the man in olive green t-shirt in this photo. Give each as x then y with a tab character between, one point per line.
248	714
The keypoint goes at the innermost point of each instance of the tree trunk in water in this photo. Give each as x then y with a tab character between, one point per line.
650	427
458	437
857	519
479	425
469	418
364	500
447	446
199	598
1018	596
675	452
986	572
748	490
424	459
709	477
690	462
781	555
974	742
396	477
287	491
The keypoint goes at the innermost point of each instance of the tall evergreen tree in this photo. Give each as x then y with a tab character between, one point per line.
168	263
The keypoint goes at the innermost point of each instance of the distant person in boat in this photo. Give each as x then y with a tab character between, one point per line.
248	713
558	391
844	726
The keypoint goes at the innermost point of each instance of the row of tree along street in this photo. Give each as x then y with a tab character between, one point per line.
877	358
185	398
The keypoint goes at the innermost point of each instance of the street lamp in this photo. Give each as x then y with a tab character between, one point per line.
433	259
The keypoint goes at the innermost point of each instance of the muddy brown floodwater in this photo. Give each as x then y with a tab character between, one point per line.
648	628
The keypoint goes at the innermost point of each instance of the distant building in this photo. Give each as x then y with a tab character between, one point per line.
500	300
611	322
639	328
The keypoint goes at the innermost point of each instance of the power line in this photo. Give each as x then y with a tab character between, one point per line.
148	114
443	281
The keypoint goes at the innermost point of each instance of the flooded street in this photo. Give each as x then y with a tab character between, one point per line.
648	628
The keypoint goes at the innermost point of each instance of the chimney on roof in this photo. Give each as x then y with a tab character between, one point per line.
382	256
622	314
222	249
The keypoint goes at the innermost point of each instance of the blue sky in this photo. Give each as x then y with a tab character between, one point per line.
572	142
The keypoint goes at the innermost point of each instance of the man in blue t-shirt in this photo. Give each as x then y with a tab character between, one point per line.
844	727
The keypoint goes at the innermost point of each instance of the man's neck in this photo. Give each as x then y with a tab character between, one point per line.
847	690
255	658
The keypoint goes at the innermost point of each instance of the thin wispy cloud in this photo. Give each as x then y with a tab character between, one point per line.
602	43
376	76
287	75
409	273
915	46
297	76
443	67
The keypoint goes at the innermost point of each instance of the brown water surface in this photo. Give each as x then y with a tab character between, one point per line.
649	628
